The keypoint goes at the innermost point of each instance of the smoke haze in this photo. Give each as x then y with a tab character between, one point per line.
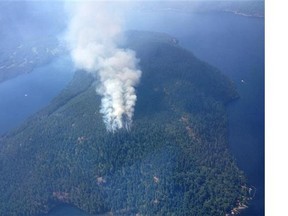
92	36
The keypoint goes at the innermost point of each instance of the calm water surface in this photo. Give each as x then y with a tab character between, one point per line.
28	93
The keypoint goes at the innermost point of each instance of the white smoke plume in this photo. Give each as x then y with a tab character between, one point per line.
92	37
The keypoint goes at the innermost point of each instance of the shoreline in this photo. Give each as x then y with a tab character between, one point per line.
244	14
244	204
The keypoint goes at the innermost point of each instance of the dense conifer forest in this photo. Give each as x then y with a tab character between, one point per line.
175	159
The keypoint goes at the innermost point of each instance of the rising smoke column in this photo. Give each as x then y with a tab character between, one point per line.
92	38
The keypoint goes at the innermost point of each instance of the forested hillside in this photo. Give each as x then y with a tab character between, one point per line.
174	160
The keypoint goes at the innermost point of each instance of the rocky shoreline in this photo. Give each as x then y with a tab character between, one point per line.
242	205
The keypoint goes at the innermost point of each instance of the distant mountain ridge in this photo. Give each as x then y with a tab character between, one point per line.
175	160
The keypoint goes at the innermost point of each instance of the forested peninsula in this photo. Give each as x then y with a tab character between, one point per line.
175	159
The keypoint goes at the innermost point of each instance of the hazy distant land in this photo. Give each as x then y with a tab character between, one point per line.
244	8
22	55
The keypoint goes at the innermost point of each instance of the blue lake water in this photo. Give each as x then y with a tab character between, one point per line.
67	210
234	44
28	93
